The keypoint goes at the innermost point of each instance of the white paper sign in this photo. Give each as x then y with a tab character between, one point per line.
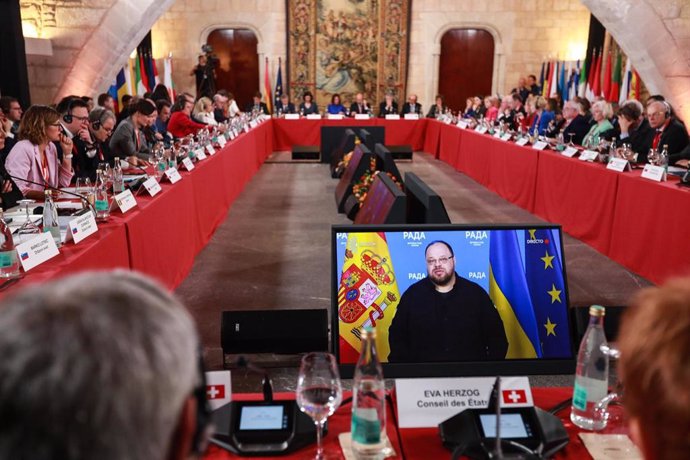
655	173
253	124
589	155
313	116
36	251
462	124
392	116
411	116
125	201
152	186
424	403
292	116
80	227
361	116
569	152
218	389
522	141
540	145
200	154
481	129
335	116
173	175
506	137
233	134
222	141
188	164
210	149
497	134
618	164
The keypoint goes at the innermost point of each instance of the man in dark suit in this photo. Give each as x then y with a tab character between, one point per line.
412	106
634	129
258	105
284	105
665	130
388	106
360	106
575	123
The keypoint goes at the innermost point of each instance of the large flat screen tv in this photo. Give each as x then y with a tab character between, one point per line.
453	300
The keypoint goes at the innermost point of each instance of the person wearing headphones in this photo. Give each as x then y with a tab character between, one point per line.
101	365
666	130
75	118
35	156
128	140
88	156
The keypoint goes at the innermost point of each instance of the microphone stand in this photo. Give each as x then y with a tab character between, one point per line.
49	187
243	362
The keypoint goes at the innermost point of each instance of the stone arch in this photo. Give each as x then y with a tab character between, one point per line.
109	45
656	37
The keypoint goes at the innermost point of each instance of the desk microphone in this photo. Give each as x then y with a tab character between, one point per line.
81	198
134	185
243	362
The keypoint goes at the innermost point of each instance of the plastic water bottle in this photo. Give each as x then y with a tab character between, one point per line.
118	179
612	150
592	374
663	158
9	264
369	438
50	217
102	203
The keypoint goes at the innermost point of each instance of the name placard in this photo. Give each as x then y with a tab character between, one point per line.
188	164
233	134
173	175
497	134
313	116
506	137
152	186
292	116
411	116
424	403
522	141
125	201
618	164
463	124
361	116
253	124
36	251
589	155
222	141
80	227
655	173
481	129
569	152
335	116
540	145
211	151
392	116
218	389
200	154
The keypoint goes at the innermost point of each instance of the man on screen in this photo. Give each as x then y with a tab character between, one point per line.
445	317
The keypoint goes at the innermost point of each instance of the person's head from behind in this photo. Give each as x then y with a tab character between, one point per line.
40	124
654	341
106	101
440	263
99	365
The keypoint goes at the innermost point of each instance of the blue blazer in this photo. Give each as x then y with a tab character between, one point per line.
336	108
544	121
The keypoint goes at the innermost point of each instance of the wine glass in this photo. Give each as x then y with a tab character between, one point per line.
570	141
28	228
319	391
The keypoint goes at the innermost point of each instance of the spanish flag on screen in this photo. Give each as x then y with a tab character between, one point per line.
368	294
510	294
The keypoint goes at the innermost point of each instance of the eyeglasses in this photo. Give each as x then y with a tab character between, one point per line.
654	114
82	119
56	124
440	260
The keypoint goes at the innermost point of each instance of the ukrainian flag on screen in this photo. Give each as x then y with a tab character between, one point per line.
510	294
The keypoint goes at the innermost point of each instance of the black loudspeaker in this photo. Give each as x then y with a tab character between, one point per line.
274	331
612	321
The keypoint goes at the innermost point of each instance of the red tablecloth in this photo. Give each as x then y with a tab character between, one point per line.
513	173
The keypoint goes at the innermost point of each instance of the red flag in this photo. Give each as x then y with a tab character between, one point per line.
267	89
596	86
607	76
144	77
616	80
514	396
592	70
215	391
156	80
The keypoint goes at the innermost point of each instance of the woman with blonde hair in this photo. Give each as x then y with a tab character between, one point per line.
602	129
35	156
203	112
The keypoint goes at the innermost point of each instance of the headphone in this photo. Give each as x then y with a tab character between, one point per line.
204	426
99	114
667	108
67	117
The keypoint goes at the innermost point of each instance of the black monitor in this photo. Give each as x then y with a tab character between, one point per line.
360	161
385	162
505	312
424	206
384	204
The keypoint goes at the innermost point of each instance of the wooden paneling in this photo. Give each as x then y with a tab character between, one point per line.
238	70
466	65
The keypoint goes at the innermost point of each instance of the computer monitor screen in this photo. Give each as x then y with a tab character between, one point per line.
424	205
384	203
453	299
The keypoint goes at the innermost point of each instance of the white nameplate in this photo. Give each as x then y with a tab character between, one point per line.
188	164
218	389
392	116
233	134
125	201
314	116
361	116
522	141
253	124
292	116
589	155
222	141
210	149
152	186
540	145
655	173
569	152
481	129
497	134
81	227
335	116
424	403
506	137
411	116
618	164
173	175
200	154
36	251
463	124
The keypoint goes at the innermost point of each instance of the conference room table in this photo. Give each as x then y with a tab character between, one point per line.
634	221
421	443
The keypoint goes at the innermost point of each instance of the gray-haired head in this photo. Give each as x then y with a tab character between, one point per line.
94	366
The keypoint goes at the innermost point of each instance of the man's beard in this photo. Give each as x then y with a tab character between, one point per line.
442	280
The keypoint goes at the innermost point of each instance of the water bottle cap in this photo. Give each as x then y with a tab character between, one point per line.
597	310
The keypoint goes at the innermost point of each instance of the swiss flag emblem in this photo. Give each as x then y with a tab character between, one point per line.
215	391
514	397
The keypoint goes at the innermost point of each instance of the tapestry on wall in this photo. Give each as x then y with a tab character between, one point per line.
346	47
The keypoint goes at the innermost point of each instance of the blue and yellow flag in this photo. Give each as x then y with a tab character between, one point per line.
120	88
510	294
547	289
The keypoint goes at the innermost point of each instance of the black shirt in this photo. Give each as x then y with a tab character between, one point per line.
460	325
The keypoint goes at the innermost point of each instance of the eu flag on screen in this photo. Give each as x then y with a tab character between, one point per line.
547	288
510	294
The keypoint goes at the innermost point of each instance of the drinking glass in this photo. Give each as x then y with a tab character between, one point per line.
653	157
28	227
83	186
570	141
319	392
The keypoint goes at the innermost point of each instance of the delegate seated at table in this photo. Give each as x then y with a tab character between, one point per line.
666	130
335	107
602	129
388	106
308	106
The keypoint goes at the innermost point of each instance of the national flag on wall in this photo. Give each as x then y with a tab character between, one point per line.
156	79
547	289
167	76
267	88
279	85
582	79
562	84
634	86
150	72
144	76
553	81
131	79
510	294
606	86
121	84
625	86
614	93
368	294
541	75
139	87
596	83
589	94
545	89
